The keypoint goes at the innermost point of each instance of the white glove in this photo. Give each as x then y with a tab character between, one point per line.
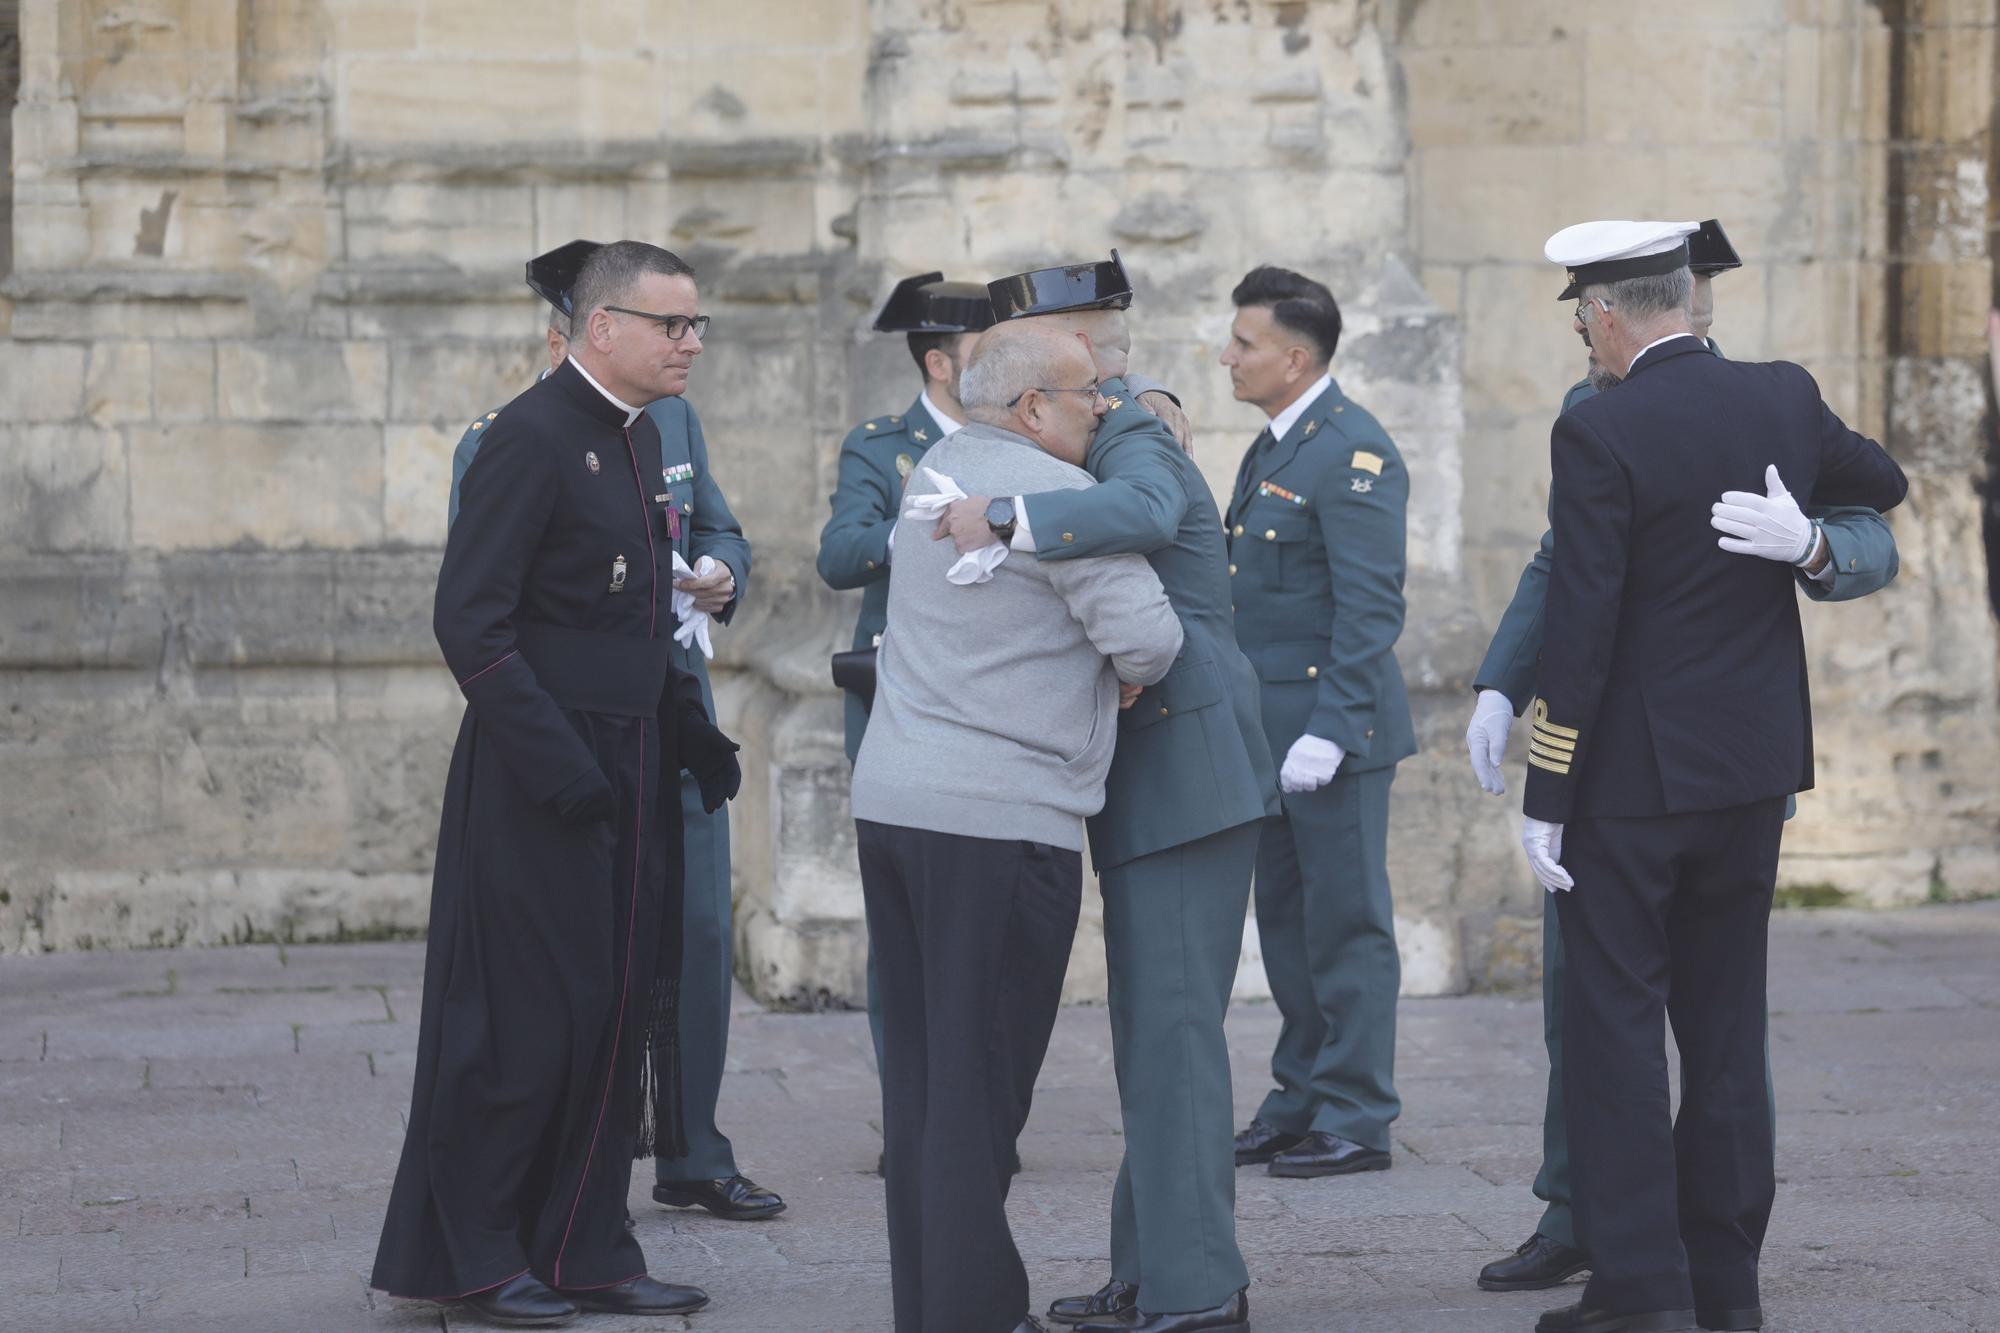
1310	764
972	567
1486	739
694	624
1769	525
1544	844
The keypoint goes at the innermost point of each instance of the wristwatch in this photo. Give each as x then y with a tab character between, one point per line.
1000	518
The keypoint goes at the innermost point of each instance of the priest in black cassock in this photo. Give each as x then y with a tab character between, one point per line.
550	974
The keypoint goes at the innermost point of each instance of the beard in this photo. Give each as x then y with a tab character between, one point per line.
1601	378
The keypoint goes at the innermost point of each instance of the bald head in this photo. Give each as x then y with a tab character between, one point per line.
1037	380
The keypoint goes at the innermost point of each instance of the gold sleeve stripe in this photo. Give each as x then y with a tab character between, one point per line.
1542	720
1546	752
1538	762
1553	742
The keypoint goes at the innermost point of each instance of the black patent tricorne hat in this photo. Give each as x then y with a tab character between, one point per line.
1709	251
551	276
927	303
1051	291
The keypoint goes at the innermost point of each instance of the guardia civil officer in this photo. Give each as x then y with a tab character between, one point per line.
549	999
1672	722
941	321
1316	528
1190	785
700	527
1854	555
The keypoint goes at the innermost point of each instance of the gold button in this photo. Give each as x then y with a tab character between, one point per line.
871	564
1069	536
1232	569
1850	564
1163	711
1370	733
1270	534
1312	673
1239	529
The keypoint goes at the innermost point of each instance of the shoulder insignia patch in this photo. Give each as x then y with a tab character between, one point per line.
1361	485
1114	403
920	435
1367	462
905	465
478	425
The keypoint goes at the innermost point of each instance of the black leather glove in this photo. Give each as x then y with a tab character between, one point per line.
711	757
588	800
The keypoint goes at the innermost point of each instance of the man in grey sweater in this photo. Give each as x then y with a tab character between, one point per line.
992	731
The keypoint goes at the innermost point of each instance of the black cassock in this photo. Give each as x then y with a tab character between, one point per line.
554	932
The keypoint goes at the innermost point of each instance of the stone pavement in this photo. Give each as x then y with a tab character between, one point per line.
203	1140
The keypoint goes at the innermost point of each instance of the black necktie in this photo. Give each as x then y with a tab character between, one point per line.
1264	437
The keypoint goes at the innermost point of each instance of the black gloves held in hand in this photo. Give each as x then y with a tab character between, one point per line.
587	800
711	757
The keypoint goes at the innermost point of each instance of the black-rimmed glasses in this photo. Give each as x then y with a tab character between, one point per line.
1089	390
676	326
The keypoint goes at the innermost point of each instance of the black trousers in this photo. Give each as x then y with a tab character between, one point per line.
972	938
1670	916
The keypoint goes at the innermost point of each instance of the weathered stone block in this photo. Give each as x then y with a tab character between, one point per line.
62	488
416	481
119	384
1529	94
302	381
41	381
200	487
183	380
447	99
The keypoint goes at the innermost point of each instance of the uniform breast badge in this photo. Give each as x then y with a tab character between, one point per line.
905	464
617	573
1363	461
1361	485
590	460
1267	488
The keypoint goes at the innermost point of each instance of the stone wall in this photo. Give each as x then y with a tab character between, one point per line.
267	266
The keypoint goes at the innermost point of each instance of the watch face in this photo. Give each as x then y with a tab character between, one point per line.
1000	513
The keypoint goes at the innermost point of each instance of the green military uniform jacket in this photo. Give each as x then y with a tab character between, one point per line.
1192	759
1316	541
1863	553
702	523
875	459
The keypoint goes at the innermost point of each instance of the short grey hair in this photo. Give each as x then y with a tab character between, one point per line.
608	276
1647	298
1009	360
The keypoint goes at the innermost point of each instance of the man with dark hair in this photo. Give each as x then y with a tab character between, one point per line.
1672	720
1317	537
551	972
1854	556
709	542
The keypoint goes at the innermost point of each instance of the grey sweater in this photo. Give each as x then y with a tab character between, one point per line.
996	703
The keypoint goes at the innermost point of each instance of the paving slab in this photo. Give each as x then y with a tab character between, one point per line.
203	1140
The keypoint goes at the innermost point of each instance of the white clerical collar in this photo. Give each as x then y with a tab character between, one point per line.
946	426
1655	343
631	412
1289	418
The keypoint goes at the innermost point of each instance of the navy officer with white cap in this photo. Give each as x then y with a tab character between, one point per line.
1854	556
1672	722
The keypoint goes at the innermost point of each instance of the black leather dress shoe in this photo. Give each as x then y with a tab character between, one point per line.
521	1302
1736	1321
1113	1298
641	1296
1324	1154
1261	1142
1580	1318
1539	1263
1232	1316
735	1199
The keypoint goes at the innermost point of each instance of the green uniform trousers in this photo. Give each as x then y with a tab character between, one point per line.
1173	930
707	963
1552	1181
1329	937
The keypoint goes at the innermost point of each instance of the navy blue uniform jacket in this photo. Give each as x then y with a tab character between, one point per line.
1673	674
